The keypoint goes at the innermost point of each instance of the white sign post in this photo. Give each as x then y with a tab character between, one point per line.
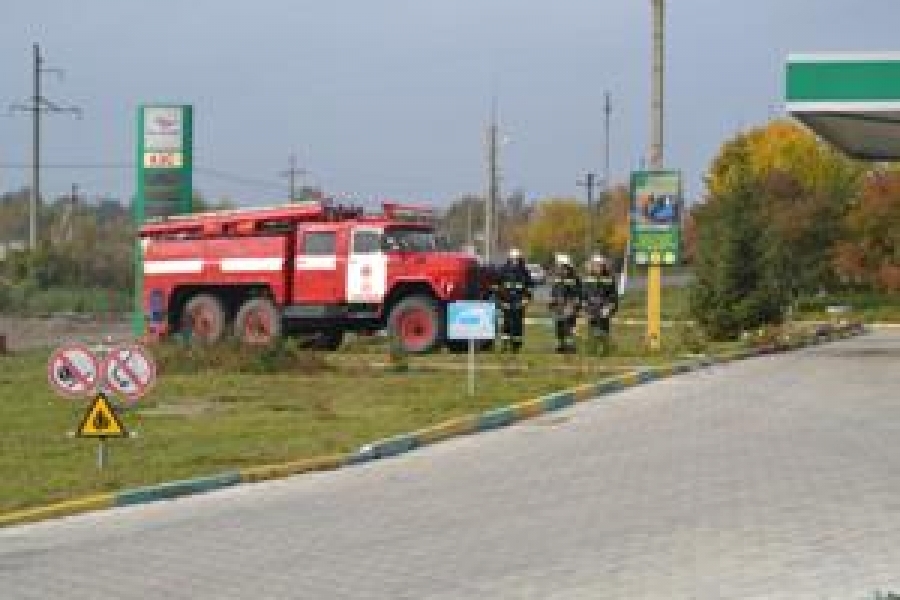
471	320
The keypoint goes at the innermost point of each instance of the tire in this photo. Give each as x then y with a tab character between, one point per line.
258	322
328	340
416	322
204	318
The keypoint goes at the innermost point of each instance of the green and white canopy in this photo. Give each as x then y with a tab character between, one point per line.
850	99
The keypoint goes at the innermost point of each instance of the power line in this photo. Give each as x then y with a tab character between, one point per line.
203	171
239	179
69	166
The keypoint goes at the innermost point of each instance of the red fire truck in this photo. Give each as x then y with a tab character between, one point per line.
314	269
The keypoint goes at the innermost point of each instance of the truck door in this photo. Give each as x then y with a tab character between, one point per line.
320	267
367	267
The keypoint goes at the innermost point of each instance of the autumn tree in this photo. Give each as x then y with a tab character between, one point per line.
871	253
613	216
806	188
557	225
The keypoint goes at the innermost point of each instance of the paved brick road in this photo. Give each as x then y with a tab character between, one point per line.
771	478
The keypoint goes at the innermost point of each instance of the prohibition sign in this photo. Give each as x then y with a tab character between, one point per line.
73	371
129	371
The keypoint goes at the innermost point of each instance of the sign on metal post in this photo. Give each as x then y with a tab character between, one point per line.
655	236
128	370
656	210
165	161
471	320
165	167
101	421
73	371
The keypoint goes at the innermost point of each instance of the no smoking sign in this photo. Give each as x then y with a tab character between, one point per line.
73	371
129	371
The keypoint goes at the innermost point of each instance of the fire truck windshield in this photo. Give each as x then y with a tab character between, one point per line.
397	239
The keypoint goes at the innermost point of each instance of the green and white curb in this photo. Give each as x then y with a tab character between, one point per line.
407	442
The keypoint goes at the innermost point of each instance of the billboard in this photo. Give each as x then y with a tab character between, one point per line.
656	212
164	161
164	185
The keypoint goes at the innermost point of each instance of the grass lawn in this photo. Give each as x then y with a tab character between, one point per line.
633	305
869	307
219	409
675	304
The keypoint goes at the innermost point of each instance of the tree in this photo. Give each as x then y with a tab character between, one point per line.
739	277
871	253
614	224
462	221
557	225
786	147
806	188
199	203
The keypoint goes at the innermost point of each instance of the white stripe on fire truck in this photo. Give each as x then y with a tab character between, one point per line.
171	267
251	264
316	263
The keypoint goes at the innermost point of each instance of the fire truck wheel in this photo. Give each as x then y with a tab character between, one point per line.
416	322
258	322
204	318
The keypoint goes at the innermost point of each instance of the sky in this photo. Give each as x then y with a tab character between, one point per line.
390	98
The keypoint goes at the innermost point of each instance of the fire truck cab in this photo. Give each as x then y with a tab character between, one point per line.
315	270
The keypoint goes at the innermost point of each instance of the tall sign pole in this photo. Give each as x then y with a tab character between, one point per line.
165	166
654	271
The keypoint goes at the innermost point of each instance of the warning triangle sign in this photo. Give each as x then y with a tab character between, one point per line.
101	420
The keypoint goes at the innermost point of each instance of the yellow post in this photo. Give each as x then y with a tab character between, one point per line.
654	301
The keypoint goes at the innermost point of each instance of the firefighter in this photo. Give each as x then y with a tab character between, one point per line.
565	302
514	286
601	300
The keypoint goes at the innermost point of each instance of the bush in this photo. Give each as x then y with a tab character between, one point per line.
738	284
285	356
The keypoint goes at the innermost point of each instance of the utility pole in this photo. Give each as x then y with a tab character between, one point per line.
36	107
490	207
291	173
657	85
654	271
590	182
607	113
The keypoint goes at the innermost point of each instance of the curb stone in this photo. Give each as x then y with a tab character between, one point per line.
407	442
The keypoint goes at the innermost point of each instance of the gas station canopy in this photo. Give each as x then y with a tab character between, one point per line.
850	99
